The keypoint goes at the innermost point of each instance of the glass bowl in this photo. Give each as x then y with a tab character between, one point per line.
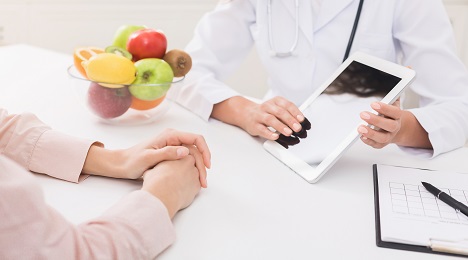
115	104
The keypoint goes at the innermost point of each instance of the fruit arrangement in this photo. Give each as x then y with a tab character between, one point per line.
135	72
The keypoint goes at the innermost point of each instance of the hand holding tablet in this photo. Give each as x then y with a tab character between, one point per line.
333	111
293	139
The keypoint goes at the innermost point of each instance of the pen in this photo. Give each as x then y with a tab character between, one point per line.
448	246
458	206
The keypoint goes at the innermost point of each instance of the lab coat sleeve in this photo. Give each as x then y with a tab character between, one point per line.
428	46
221	41
137	227
32	144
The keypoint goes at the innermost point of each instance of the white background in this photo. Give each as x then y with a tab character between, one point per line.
63	25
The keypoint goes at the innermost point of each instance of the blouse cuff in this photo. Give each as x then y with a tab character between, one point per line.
61	156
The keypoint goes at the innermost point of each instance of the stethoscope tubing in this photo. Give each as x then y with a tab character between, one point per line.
353	31
273	51
278	54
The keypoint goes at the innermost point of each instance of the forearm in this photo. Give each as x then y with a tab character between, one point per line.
412	134
232	110
32	144
143	234
29	223
116	234
103	162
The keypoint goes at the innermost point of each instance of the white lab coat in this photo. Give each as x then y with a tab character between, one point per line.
414	33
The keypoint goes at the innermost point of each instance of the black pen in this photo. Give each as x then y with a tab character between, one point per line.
457	205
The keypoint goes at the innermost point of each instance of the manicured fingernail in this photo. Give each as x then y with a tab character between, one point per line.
300	118
362	130
297	127
287	131
365	115
274	136
182	151
375	105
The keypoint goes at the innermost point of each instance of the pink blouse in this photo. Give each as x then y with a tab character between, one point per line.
30	229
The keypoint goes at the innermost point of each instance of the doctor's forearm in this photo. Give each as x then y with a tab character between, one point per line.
412	134
232	110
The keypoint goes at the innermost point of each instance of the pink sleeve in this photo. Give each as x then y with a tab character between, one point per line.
33	145
137	227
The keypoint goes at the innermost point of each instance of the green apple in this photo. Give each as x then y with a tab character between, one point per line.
122	34
153	79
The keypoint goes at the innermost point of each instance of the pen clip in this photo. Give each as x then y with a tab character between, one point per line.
449	246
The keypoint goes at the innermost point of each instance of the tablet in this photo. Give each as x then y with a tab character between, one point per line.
333	111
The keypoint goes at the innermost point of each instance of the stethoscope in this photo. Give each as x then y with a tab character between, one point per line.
289	53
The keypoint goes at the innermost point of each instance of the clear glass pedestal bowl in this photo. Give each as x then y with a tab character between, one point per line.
115	103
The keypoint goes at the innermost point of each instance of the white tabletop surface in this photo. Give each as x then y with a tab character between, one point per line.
254	207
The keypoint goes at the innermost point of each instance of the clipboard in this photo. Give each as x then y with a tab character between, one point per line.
396	245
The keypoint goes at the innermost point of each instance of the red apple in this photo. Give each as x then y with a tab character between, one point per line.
108	102
147	43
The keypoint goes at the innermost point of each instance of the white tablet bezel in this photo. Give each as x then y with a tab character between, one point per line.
313	174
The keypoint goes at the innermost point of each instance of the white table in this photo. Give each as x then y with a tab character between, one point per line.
254	208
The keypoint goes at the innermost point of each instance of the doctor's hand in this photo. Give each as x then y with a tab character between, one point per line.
277	113
386	125
132	162
394	125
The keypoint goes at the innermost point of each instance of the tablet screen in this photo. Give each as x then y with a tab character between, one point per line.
334	114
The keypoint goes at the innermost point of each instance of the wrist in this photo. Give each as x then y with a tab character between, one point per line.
232	110
162	190
400	137
103	162
168	202
411	133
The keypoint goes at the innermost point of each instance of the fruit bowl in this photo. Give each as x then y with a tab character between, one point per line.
116	103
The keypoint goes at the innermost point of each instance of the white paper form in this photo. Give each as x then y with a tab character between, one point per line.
410	214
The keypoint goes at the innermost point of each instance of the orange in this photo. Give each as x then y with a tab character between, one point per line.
139	104
84	54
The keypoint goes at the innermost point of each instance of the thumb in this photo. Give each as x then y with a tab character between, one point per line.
169	153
